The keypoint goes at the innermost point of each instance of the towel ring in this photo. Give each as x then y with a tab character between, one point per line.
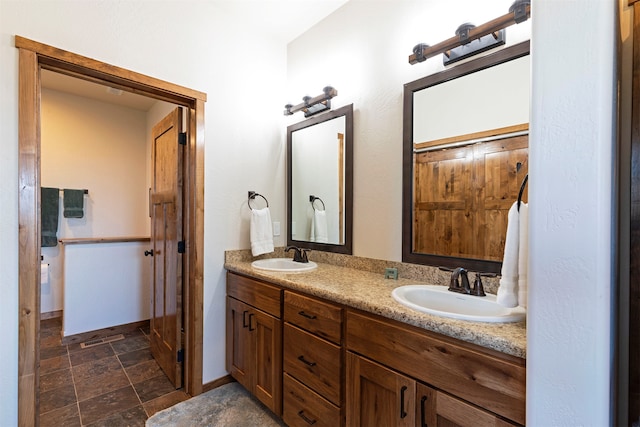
312	199
522	186
253	195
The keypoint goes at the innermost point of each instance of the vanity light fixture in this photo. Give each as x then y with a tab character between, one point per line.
471	40
311	106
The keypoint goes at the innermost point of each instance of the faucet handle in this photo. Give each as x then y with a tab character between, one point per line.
478	289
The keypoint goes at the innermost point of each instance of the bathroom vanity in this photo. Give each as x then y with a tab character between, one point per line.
331	347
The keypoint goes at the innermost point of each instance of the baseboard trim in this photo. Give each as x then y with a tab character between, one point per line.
103	333
217	383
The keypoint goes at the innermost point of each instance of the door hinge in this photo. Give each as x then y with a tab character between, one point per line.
180	355
181	247
182	138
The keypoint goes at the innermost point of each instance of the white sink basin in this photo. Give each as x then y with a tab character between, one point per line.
438	300
284	265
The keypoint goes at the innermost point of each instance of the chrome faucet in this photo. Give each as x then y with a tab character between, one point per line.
299	255
465	288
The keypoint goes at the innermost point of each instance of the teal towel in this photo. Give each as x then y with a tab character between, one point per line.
73	203
49	206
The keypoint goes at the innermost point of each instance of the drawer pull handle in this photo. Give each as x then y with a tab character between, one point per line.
308	316
423	410
244	318
306	419
402	411
305	361
251	327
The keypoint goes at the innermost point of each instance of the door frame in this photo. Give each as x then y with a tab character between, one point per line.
32	57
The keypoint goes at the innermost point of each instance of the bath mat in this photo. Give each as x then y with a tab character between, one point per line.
229	405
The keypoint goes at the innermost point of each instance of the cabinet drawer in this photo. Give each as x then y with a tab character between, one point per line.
488	379
258	294
313	361
320	318
303	407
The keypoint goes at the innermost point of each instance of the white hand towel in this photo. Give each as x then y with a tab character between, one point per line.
508	291
523	255
319	231
261	233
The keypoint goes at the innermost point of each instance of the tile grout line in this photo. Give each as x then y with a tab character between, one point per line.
130	381
73	381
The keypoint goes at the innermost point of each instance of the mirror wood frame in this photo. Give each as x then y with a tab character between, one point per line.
508	54
346	247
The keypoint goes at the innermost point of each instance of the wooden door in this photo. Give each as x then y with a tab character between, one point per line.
443	222
463	196
378	396
438	409
166	235
500	167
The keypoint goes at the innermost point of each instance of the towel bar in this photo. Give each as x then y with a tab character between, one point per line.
522	186
253	195
313	198
85	190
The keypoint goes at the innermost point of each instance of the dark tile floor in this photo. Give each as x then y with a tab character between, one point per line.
112	384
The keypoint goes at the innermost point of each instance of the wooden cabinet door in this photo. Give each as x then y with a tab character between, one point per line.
254	352
239	343
437	409
266	334
378	396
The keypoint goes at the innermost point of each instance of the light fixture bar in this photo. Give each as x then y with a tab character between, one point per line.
315	105
519	14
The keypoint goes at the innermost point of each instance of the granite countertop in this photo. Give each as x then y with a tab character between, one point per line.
371	292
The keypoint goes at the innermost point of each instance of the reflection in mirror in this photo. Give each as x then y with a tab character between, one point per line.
465	156
319	175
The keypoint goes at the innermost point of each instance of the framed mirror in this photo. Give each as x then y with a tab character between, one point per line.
465	157
320	182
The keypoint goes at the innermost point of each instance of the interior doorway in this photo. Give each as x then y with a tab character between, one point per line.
33	57
103	140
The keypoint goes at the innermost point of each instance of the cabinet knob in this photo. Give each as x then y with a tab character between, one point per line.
148	253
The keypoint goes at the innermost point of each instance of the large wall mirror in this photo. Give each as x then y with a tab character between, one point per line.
465	159
320	182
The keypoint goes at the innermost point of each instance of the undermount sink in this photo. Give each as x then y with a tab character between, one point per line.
438	300
283	265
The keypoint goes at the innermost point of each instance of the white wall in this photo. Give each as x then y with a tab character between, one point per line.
106	284
362	50
101	147
571	196
244	142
